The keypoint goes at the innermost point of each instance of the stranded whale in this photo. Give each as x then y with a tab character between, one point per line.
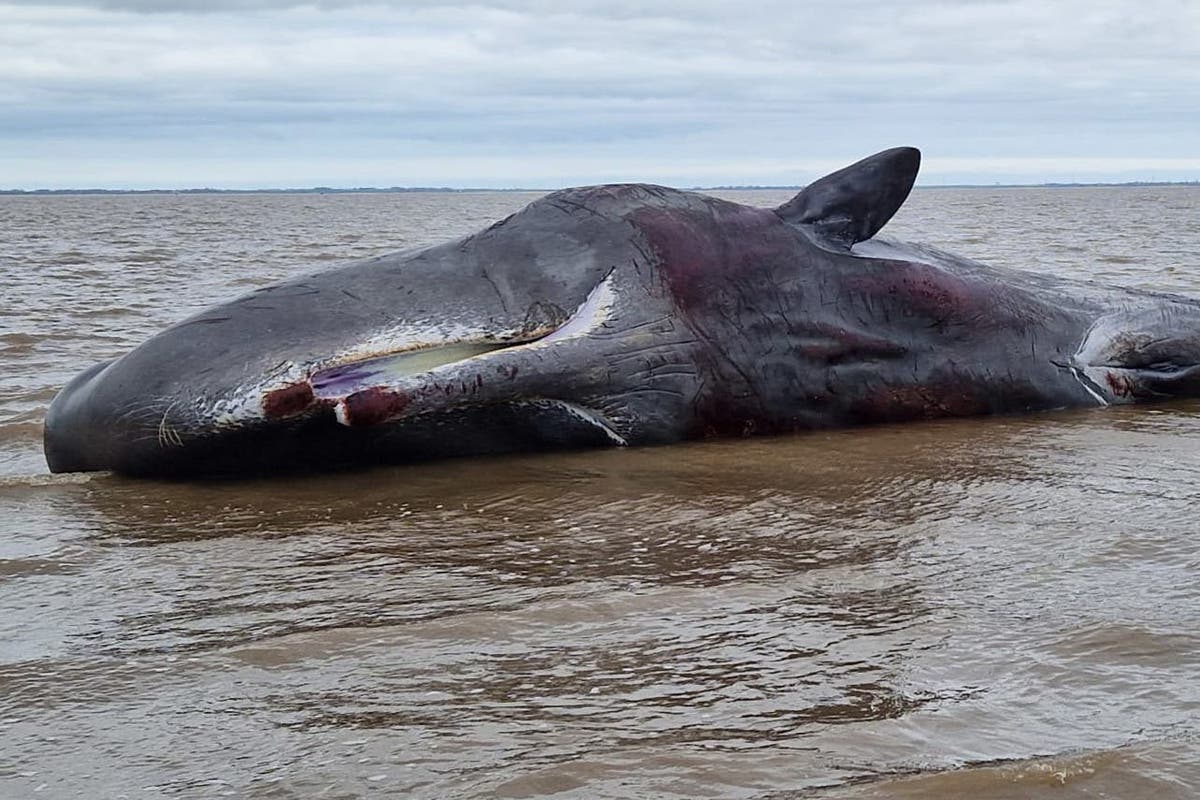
621	315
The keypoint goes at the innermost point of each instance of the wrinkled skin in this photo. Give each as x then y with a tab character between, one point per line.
621	315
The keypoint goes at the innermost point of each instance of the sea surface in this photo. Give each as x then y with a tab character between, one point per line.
987	608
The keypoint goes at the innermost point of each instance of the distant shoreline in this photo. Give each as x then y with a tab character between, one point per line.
452	190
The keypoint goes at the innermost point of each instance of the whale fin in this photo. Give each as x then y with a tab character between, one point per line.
852	204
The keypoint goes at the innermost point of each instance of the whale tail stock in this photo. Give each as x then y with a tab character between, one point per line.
1143	354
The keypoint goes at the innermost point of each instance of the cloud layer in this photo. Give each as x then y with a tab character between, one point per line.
154	93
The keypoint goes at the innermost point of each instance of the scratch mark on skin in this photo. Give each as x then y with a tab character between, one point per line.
656	390
496	288
666	371
167	435
203	321
668	326
138	413
640	246
566	206
637	352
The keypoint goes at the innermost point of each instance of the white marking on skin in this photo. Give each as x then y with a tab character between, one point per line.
595	310
1078	375
586	415
246	403
167	435
1090	351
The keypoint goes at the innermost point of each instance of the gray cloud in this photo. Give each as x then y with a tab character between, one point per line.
145	92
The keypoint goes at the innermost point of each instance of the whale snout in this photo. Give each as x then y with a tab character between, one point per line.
105	419
72	439
113	416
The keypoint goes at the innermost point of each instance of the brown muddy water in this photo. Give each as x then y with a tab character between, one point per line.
994	608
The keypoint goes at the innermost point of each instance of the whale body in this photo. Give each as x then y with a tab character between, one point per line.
621	315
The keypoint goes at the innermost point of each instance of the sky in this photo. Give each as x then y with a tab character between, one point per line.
545	93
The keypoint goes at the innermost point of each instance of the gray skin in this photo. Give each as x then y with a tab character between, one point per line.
621	315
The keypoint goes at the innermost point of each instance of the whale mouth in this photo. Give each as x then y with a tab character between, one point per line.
330	386
361	393
333	383
379	387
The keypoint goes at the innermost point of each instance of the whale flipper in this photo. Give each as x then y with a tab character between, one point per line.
852	204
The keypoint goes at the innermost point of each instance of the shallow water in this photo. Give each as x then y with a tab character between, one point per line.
998	608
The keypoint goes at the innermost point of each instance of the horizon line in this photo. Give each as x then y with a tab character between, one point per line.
519	189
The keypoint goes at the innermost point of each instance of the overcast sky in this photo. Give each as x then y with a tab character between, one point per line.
186	93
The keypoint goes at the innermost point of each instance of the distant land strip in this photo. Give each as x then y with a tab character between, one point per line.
451	189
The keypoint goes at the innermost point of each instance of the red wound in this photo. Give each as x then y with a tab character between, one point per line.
288	401
373	406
